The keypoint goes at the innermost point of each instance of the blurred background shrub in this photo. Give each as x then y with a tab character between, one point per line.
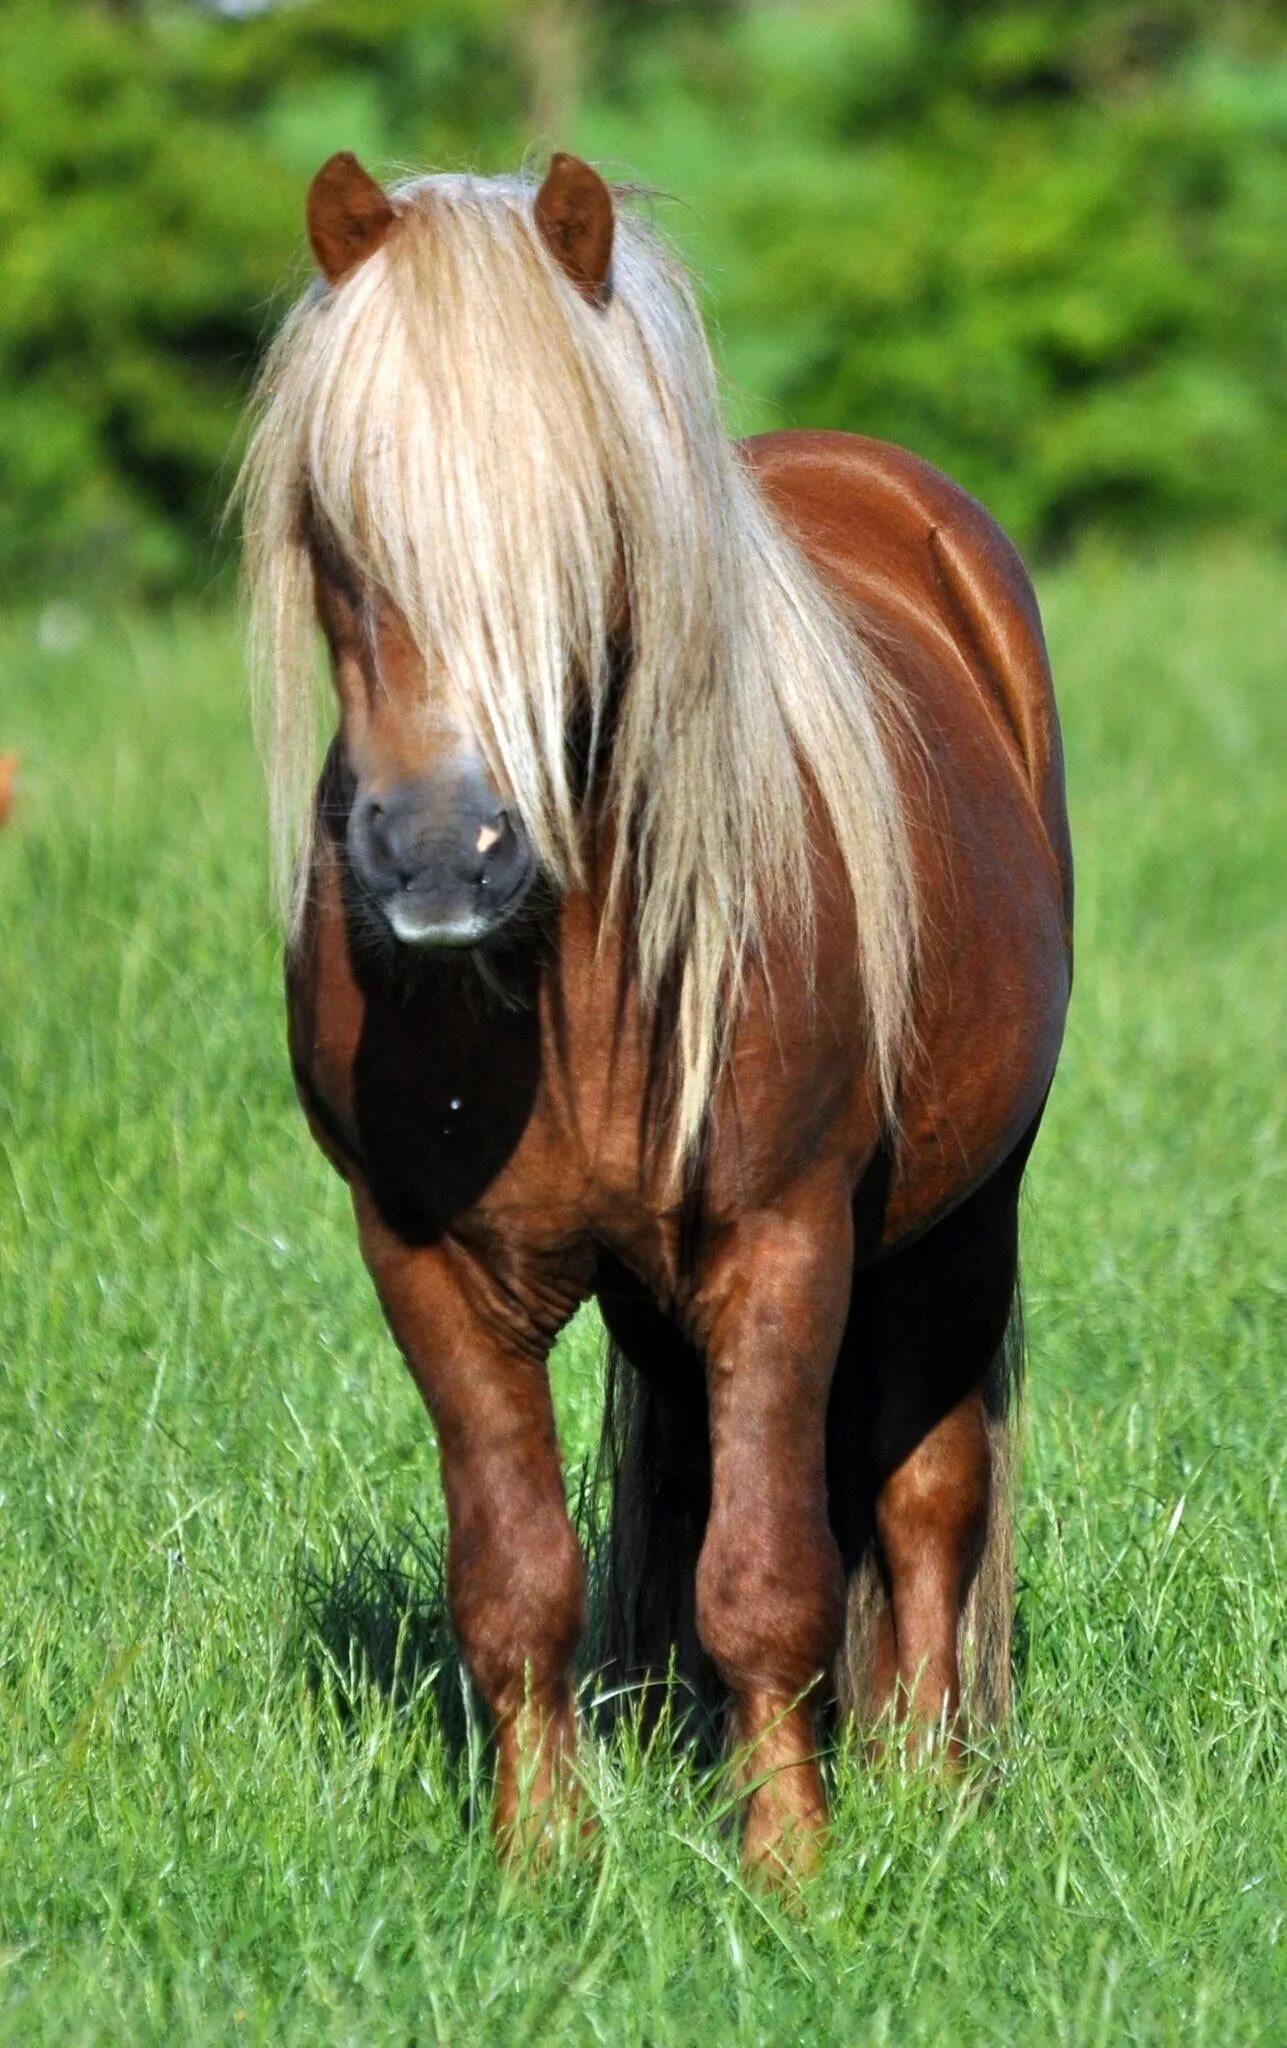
1043	242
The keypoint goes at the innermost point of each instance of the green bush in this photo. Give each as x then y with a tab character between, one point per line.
151	187
1045	243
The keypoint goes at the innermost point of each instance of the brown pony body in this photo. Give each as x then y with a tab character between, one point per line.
809	1439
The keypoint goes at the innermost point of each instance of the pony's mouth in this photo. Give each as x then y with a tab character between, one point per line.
411	929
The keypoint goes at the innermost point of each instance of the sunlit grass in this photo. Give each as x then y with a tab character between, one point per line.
241	1784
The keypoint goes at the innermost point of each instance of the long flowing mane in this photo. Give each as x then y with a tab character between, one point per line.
505	463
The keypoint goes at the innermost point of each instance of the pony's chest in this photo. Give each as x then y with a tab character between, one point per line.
492	1121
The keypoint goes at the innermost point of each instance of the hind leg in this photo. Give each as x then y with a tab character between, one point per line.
942	1310
931	1518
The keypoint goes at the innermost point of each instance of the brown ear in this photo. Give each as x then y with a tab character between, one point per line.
574	213
348	216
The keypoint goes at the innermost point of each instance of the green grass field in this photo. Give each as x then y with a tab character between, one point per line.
217	1487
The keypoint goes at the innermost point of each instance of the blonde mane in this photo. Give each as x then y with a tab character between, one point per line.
496	456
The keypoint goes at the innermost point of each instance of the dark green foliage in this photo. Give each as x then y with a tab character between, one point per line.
151	192
1043	243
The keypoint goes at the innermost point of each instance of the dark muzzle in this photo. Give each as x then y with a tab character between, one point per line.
440	856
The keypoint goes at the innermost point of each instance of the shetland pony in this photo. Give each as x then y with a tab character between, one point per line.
682	919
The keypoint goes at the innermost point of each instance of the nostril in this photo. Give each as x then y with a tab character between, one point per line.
378	844
378	834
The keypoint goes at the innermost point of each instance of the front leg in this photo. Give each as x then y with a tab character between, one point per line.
515	1577
770	1590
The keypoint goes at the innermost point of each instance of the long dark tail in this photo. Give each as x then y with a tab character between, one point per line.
986	1625
653	1484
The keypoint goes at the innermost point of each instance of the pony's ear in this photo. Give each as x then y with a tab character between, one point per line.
348	216
574	214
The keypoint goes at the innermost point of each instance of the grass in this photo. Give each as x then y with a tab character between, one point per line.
230	1809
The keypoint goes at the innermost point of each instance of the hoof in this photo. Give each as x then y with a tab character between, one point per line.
784	1855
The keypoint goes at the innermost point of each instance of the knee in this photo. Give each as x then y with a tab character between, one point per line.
770	1610
518	1609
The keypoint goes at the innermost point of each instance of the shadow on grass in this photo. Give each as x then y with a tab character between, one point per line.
372	1616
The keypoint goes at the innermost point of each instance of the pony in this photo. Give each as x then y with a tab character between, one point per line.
681	918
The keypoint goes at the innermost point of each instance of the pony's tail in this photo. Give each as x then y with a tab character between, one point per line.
985	1643
985	1629
653	1490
